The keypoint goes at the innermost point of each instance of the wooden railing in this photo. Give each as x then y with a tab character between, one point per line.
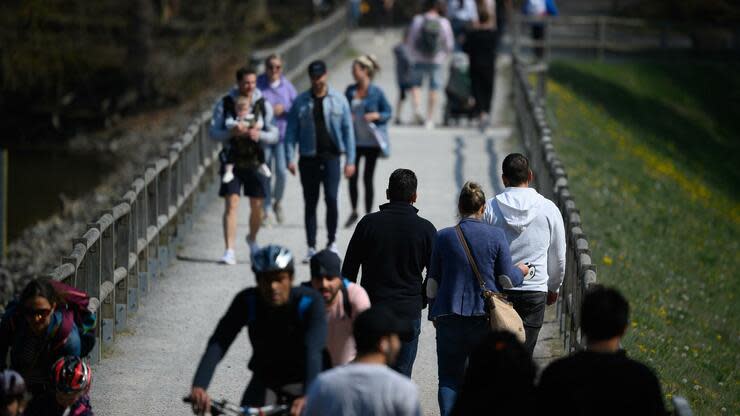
551	181
601	34
125	251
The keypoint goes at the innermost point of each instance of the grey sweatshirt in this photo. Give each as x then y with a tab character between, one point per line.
534	229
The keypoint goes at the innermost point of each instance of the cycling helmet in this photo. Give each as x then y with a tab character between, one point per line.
11	385
71	375
272	258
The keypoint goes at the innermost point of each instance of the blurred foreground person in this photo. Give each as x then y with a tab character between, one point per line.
367	386
601	380
12	393
71	378
499	365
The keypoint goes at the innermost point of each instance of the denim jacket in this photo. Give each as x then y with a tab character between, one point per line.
375	101
301	130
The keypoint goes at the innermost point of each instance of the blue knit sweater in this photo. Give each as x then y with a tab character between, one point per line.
458	289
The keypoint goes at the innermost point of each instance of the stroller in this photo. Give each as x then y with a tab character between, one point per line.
460	101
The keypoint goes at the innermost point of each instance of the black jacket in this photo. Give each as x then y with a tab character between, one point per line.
393	246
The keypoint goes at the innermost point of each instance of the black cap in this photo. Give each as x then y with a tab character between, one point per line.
326	263
376	322
316	69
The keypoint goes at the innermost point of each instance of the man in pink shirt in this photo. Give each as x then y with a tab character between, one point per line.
344	301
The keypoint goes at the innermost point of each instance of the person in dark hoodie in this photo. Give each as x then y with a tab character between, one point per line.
393	246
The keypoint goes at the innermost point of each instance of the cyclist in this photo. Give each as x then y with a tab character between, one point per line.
70	378
287	330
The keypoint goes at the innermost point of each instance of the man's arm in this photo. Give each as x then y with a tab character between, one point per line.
226	331
434	270
348	132
291	133
315	338
354	256
216	130
556	252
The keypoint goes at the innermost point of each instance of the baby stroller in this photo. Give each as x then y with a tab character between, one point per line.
460	101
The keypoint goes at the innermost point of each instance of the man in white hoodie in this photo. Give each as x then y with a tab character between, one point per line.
534	229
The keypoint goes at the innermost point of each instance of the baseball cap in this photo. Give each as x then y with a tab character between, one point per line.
316	69
379	321
326	263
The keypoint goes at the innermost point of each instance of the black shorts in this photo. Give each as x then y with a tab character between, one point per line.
255	185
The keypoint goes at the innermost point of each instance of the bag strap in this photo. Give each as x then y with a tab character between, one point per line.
471	260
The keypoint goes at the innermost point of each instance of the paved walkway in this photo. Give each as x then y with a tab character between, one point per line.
149	370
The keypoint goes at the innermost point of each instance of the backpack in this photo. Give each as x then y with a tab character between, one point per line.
243	153
430	36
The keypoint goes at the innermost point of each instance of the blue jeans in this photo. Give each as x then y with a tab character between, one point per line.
407	355
275	159
457	336
314	172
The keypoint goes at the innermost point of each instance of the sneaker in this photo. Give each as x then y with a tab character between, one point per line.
228	177
264	170
278	212
333	248
429	125
419	119
266	220
351	220
311	253
253	246
397	121
229	258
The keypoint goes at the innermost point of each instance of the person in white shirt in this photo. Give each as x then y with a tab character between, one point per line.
533	226
367	386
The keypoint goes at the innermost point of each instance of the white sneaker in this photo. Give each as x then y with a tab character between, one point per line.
253	246
311	253
429	125
229	258
228	177
333	248
264	170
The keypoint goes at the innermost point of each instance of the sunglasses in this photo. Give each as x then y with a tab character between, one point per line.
37	314
275	67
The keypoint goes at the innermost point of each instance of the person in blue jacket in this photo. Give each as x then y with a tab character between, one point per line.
540	8
320	124
456	306
370	114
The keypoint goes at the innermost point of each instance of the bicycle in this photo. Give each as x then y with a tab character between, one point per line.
224	407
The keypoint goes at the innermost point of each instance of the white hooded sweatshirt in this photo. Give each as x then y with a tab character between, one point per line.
534	229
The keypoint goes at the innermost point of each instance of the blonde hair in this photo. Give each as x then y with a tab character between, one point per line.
472	199
369	63
242	102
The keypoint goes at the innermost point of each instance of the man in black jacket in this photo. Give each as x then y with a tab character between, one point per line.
394	246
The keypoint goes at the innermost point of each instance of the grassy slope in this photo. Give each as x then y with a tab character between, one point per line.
652	153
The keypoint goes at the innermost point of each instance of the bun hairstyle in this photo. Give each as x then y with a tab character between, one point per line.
369	63
472	199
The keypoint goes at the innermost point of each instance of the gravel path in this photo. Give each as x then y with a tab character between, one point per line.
150	369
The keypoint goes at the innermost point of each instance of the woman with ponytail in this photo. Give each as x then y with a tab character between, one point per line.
370	113
455	303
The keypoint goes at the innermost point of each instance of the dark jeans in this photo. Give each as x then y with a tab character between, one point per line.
531	308
407	355
314	172
538	35
371	156
482	79
457	336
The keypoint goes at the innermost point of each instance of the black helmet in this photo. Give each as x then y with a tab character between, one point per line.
272	258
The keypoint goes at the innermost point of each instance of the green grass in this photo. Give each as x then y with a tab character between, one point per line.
651	150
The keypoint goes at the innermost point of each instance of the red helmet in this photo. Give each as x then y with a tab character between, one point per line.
71	375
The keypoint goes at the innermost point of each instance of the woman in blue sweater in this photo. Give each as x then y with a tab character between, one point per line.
370	114
456	306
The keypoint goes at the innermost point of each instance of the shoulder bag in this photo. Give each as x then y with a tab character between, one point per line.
501	313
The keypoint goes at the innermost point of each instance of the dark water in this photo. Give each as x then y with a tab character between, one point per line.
37	178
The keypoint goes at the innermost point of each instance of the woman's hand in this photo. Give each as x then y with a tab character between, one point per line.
523	267
370	117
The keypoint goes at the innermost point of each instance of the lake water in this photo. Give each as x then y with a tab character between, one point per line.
37	178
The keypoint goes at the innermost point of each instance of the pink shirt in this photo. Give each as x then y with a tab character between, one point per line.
339	341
